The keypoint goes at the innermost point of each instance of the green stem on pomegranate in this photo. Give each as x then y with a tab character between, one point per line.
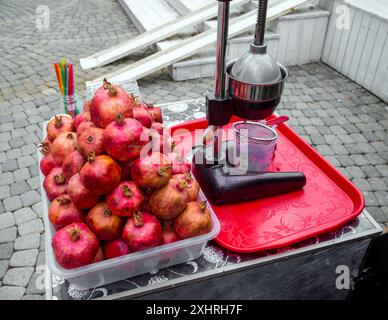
59	179
163	171
188	176
75	235
138	217
173	145
126	191
91	156
63	200
112	90
44	148
58	122
120	119
182	185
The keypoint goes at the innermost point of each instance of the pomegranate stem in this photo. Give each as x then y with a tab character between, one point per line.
138	219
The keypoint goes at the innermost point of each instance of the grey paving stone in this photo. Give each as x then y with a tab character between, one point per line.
19	187
6	179
34	226
18	276
6	250
378	214
24	258
325	150
12	203
377	184
11	293
383	169
382	197
363	184
3	267
42	242
359	159
21	174
8	235
5	192
26	161
371	172
29	198
31	241
41	261
37	208
6	220
10	165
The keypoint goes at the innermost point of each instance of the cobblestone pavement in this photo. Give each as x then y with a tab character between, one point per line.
342	121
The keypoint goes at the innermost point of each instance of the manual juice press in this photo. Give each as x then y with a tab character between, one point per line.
250	88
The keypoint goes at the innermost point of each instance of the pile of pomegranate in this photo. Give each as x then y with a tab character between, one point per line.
115	184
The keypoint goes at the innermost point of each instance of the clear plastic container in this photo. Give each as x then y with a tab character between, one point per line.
133	264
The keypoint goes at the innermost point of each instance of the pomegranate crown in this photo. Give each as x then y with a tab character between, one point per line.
107	212
182	185
138	217
120	118
75	234
58	121
63	200
126	191
91	156
112	90
163	171
44	148
59	179
70	136
202	205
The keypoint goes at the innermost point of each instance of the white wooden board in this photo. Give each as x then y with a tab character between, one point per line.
193	45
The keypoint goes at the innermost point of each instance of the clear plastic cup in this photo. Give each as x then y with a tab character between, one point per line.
255	144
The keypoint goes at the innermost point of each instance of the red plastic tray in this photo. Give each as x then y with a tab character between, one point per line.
327	201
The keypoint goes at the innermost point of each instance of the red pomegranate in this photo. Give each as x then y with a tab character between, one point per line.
157	126
75	246
155	112
108	101
82	117
115	248
99	256
152	171
55	184
63	212
47	164
59	124
143	117
72	164
79	195
169	234
100	174
63	145
126	170
103	223
179	164
142	231
86	106
125	200
192	186
169	201
195	220
159	143
84	126
123	138
91	140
